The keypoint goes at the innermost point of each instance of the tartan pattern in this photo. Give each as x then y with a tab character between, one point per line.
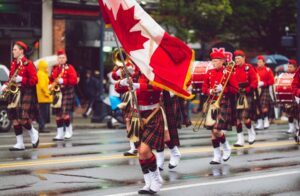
247	113
67	105
153	132
28	107
265	98
127	111
224	117
170	107
292	110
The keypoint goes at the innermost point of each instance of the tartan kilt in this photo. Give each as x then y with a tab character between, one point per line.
247	113
292	109
171	106
67	104
127	111
153	132
28	107
265	98
224	117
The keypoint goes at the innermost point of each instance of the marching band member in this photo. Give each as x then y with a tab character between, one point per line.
171	105
265	79
213	85
151	135
117	74
296	91
64	76
292	109
23	76
247	81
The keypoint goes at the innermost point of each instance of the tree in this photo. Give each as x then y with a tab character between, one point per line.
204	17
259	24
255	25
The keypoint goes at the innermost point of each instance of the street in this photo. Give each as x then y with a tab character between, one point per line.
92	163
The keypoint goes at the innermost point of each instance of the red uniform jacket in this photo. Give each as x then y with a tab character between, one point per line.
28	72
69	75
213	78
296	83
266	75
246	75
146	94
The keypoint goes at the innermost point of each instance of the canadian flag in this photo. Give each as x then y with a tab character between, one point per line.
165	60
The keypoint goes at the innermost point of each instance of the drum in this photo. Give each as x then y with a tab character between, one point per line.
199	70
283	88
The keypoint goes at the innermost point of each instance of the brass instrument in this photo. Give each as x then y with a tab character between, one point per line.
210	107
55	90
55	86
12	87
231	67
116	58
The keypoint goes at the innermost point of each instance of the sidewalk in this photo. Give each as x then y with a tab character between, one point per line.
78	122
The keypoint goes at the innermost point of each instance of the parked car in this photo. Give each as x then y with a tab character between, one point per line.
5	123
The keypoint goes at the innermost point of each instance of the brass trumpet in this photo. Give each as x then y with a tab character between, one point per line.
210	106
117	59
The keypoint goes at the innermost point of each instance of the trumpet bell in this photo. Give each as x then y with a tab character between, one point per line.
117	59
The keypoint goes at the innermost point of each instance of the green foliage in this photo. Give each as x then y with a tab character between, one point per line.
249	24
259	24
205	17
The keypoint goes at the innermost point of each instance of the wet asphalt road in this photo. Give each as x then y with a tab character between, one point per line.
92	164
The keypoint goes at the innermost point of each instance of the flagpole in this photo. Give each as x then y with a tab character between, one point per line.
128	76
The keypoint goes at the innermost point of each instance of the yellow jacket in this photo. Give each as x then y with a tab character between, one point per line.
42	90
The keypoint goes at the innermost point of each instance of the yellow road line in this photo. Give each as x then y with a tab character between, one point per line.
114	157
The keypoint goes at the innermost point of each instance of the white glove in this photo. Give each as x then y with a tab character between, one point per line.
124	82
261	84
49	86
219	88
130	69
18	79
60	81
135	86
297	100
211	91
119	72
3	87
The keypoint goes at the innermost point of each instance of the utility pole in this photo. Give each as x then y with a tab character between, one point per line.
99	108
298	32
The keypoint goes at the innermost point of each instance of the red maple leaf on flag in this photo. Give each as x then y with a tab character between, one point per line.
122	25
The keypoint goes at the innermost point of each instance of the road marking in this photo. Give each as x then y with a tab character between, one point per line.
217	182
184	151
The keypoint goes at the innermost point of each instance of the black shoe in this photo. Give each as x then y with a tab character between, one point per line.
144	192
127	154
55	139
251	142
152	192
226	159
16	149
238	145
172	166
214	163
36	144
84	115
160	169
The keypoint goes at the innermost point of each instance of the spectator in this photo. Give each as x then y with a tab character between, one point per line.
43	94
91	87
